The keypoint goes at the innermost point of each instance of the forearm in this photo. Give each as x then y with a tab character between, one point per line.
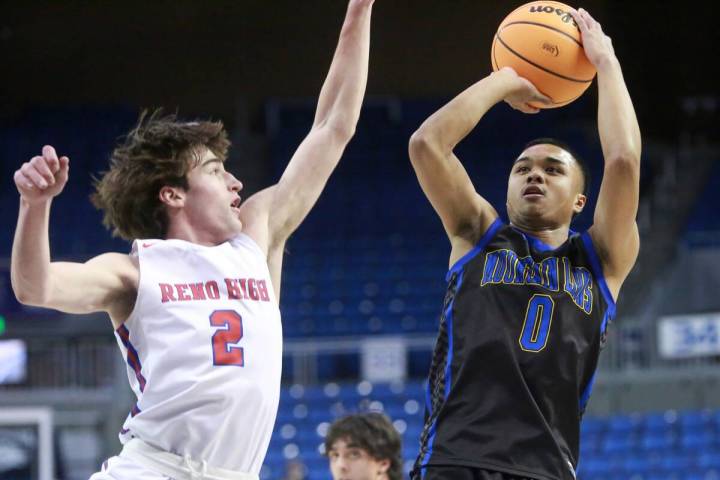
342	93
617	122
30	262
448	126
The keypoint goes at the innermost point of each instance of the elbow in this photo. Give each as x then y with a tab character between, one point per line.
344	132
623	166
626	161
29	295
421	145
340	131
623	153
26	297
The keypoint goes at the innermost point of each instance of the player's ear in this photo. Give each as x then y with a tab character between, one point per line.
172	196
580	201
383	466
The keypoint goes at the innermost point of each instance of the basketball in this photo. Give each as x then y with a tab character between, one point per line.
542	42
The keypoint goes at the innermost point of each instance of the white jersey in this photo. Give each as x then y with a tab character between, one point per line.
203	347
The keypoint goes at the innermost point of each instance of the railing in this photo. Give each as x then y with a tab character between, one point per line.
93	362
69	363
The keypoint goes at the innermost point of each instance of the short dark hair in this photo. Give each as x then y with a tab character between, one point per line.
374	433
560	144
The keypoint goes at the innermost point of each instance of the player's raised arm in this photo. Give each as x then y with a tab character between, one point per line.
464	213
65	286
614	230
336	117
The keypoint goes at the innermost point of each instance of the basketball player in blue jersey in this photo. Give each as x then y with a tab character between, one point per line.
528	302
195	304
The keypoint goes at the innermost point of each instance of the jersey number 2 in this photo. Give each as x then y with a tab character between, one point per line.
538	319
223	352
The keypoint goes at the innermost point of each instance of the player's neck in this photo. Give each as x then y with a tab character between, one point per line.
554	235
183	231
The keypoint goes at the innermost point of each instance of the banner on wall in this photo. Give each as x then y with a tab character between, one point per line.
687	336
384	359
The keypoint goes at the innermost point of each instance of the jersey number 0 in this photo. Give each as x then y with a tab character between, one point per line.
536	327
225	352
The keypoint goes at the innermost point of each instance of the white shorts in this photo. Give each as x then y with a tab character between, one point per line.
140	461
118	468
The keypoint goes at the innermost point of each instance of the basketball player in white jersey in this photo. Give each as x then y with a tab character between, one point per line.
195	304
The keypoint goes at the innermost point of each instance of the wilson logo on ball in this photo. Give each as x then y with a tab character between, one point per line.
554	50
565	16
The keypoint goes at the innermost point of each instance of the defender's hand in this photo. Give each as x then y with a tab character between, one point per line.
43	177
521	92
598	46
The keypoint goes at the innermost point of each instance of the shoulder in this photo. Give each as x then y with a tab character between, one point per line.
255	217
613	264
464	249
617	259
118	262
258	204
126	272
124	267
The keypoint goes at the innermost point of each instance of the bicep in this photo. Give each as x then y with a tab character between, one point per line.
92	286
449	189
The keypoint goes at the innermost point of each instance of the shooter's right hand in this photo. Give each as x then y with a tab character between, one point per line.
521	91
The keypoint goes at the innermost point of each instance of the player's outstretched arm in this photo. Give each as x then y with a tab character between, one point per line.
614	229
97	285
336	116
464	214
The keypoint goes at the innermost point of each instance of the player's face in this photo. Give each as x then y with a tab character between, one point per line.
212	203
545	187
350	462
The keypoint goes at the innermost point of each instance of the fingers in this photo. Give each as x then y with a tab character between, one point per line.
48	152
40	164
543	99
43	171
21	180
584	20
509	70
62	174
589	20
582	25
538	96
33	178
523	107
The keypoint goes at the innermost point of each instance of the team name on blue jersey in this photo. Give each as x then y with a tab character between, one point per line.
505	267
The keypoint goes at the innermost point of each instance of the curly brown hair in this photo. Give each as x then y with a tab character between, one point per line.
159	151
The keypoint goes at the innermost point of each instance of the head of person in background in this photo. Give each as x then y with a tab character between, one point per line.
294	470
364	446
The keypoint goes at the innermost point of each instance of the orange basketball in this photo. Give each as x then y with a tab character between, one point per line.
542	43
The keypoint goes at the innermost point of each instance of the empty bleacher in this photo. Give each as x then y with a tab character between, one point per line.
677	445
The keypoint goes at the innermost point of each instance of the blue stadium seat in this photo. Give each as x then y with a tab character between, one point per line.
652	441
660	421
651	448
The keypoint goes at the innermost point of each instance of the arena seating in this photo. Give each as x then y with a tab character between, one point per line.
668	445
371	256
703	226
